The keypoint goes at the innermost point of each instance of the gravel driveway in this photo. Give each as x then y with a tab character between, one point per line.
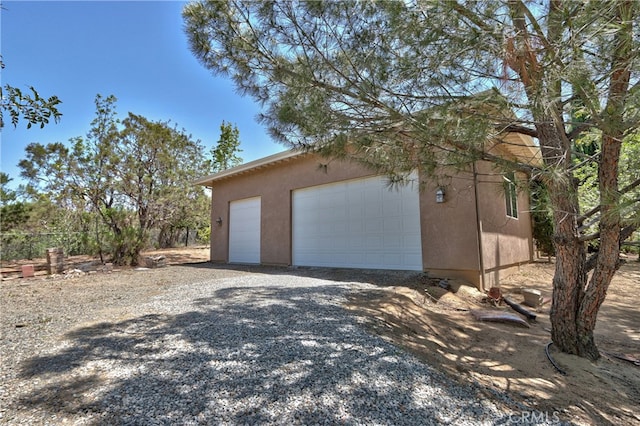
204	345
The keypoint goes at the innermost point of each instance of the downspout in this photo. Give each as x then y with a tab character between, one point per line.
479	228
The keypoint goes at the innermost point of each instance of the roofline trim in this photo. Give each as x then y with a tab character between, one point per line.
261	162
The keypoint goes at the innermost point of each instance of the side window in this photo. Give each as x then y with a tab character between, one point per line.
511	195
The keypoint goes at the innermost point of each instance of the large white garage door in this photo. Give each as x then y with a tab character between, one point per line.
358	223
244	231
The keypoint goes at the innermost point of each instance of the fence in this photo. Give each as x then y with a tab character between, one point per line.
34	245
181	237
29	246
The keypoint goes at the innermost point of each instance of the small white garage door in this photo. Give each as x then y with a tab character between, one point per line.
244	231
359	223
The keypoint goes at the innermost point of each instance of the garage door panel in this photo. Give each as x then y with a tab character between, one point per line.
372	210
367	225
373	225
393	259
355	259
244	231
356	212
392	209
392	225
339	243
356	227
373	243
341	226
413	259
393	242
356	242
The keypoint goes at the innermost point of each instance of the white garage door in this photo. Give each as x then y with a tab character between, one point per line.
244	231
358	223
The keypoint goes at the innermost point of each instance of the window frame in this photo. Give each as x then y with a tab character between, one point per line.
511	195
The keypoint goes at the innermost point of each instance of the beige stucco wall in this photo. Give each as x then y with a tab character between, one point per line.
506	241
449	229
449	236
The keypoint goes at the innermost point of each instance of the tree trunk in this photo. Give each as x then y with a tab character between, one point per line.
576	302
168	236
98	241
610	222
570	273
573	312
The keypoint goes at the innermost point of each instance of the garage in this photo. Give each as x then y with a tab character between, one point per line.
244	230
358	223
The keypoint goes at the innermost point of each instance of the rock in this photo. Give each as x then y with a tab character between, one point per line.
532	297
106	268
89	266
154	261
444	284
73	273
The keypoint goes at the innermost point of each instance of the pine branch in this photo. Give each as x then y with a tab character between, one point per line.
597	208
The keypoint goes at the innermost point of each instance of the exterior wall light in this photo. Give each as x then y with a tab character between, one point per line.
440	195
219	221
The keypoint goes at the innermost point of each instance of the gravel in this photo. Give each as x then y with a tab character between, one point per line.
213	345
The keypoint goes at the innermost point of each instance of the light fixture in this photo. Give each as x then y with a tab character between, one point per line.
440	195
219	221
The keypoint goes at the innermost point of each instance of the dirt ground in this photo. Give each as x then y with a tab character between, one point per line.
12	269
437	326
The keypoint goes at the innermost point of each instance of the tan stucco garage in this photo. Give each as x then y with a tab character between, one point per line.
319	212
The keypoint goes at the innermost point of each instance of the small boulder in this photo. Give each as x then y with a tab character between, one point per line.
154	261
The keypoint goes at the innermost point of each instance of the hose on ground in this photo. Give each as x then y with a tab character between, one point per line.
546	350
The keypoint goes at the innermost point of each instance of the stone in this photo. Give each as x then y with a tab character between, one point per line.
155	261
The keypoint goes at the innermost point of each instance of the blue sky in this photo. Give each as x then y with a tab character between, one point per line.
136	51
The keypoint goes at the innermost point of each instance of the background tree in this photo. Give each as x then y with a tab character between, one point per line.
158	164
542	217
30	106
13	213
78	177
406	85
128	177
224	153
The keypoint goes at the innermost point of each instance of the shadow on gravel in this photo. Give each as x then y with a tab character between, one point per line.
372	276
251	355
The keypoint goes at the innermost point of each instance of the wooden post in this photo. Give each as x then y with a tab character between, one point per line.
55	260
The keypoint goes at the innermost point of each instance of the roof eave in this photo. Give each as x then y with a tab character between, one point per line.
246	167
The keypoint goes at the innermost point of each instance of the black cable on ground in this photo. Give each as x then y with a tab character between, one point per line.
546	350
